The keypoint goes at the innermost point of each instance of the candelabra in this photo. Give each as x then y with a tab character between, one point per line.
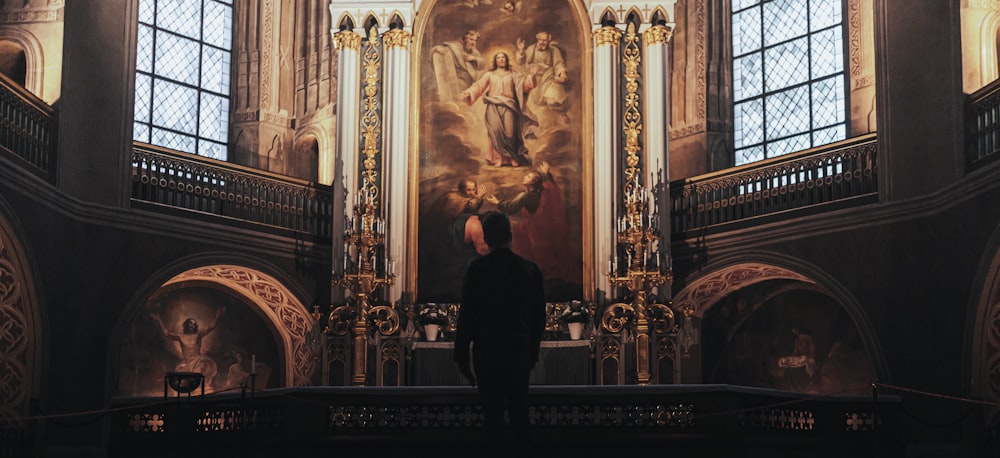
637	236
365	268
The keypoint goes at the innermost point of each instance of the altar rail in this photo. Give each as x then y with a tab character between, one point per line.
983	126
707	419
163	179
832	176
27	128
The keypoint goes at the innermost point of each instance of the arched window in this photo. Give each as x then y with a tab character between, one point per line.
182	75
788	76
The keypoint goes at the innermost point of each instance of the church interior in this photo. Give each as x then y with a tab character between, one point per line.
766	228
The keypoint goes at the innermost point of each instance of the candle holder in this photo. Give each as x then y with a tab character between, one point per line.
365	268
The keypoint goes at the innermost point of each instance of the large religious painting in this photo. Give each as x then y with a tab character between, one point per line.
502	106
198	329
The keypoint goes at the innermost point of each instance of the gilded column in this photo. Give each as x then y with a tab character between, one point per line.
396	152
607	143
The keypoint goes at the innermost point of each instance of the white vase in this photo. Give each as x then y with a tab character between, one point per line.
431	331
575	330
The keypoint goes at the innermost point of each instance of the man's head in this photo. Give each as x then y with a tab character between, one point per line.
470	39
542	40
496	229
532	181
501	60
467	187
190	326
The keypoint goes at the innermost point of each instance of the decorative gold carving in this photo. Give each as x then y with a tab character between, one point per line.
396	38
365	266
347	39
607	36
656	35
385	319
985	4
637	231
616	317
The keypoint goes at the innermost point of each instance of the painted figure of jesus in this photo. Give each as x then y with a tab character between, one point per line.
507	118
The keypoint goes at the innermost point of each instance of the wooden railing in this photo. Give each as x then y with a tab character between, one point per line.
172	180
27	128
983	126
840	174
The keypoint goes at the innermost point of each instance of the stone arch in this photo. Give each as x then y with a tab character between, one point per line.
985	345
727	276
659	15
264	293
33	62
20	323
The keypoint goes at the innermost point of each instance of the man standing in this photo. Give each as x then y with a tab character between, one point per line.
503	317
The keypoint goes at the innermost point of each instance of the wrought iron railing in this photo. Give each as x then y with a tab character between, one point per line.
983	126
843	173
763	421
27	128
167	179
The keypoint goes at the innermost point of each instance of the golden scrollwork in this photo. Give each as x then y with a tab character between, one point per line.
663	319
607	36
346	39
396	38
616	317
338	321
658	34
385	319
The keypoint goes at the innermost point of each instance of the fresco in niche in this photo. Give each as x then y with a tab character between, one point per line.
501	129
197	329
797	341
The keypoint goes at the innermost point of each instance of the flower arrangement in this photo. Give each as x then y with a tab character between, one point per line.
575	312
431	314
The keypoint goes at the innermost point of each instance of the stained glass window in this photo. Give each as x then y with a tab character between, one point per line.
182	75
788	76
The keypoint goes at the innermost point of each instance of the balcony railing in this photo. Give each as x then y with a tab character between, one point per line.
840	174
983	126
27	128
167	179
712	418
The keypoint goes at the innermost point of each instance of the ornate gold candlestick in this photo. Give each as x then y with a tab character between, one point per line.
366	268
642	270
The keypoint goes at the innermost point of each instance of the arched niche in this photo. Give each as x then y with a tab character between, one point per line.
756	316
242	315
13	63
20	326
305	158
985	344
